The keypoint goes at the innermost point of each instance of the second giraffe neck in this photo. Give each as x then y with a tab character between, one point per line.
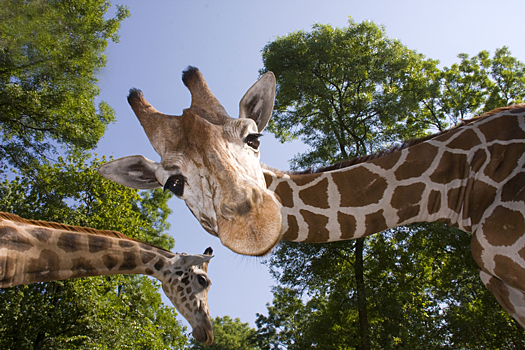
33	253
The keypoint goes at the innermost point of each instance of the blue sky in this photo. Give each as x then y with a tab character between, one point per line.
224	40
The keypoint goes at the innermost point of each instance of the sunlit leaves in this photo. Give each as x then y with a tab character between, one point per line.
50	53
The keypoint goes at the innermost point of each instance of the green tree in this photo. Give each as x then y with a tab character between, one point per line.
50	52
95	313
348	92
345	92
229	334
473	86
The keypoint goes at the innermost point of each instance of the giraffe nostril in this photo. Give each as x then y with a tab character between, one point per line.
227	210
256	197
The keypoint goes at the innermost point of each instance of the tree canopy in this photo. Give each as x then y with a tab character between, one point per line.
50	52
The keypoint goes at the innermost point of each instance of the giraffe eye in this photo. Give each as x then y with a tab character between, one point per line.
252	140
175	184
202	281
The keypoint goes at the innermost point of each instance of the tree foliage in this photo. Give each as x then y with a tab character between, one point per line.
229	334
50	52
351	91
473	86
344	91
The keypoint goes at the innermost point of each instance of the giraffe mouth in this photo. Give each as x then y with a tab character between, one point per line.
203	334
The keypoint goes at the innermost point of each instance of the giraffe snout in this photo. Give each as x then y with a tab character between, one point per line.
242	204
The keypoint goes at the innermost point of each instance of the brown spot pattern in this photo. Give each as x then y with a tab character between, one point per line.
448	134
504	227
98	243
317	195
146	257
408	213
465	141
503	160
10	238
302	180
110	261
375	222
82	268
159	264
477	251
145	246
405	196
348	225
41	234
268	179
387	161
503	128
434	202
69	242
522	253
128	261
292	232
317	231
455	198
44	268
359	187
451	167
509	271
514	189
285	193
418	160
7	271
125	244
478	160
500	291
480	198
406	199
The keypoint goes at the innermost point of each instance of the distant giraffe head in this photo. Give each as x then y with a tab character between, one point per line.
211	161
187	285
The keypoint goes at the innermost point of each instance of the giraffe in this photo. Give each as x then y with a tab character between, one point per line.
472	177
38	251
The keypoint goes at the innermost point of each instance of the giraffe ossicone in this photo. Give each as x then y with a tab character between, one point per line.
37	251
472	176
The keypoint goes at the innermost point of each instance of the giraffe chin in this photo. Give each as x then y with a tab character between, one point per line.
202	335
255	233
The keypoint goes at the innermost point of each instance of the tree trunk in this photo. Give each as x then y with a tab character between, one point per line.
361	295
39	341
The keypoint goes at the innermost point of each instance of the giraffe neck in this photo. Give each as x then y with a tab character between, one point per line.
452	177
32	251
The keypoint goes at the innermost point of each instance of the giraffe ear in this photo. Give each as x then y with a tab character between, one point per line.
257	103
132	171
195	260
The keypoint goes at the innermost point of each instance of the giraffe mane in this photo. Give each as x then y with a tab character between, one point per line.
405	144
71	228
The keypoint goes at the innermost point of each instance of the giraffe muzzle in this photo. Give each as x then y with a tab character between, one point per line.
256	232
243	204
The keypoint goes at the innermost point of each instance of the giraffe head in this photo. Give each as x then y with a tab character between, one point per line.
211	161
186	284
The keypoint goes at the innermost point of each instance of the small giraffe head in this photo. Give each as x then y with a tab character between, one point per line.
211	161
186	284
